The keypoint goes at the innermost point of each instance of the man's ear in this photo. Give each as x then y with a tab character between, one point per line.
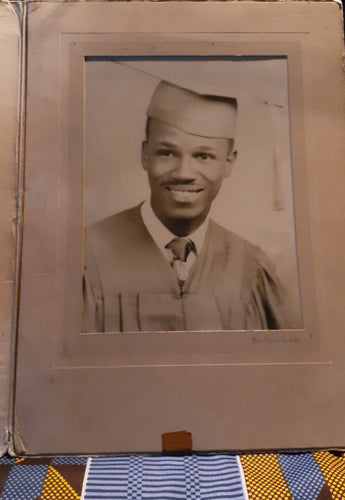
230	162
144	155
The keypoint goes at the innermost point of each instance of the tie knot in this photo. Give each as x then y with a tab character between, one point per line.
181	248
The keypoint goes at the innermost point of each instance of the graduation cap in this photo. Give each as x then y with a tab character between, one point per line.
198	114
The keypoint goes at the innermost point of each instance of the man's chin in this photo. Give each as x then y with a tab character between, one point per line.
187	217
183	214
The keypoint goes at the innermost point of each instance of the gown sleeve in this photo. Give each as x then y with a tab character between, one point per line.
266	299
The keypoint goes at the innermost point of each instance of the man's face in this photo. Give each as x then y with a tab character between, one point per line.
185	173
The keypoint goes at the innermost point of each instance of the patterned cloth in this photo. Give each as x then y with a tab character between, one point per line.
165	478
41	479
302	476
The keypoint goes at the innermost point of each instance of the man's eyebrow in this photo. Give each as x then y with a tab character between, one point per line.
204	148
165	144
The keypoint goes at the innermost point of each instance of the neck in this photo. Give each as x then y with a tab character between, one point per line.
180	226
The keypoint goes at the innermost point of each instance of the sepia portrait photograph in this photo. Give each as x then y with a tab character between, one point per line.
188	200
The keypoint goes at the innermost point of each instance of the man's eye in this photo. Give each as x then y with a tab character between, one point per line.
164	152
204	156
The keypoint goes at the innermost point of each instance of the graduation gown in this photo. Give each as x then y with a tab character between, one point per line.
128	284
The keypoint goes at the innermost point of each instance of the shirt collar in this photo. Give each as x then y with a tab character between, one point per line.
161	235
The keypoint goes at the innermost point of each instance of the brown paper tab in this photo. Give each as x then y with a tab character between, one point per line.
177	442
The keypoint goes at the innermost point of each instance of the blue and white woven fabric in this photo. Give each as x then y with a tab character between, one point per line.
164	478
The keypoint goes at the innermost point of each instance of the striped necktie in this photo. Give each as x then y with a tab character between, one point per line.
181	248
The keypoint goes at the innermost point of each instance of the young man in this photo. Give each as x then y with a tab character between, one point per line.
164	265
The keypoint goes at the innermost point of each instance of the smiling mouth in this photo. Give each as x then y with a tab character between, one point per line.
184	194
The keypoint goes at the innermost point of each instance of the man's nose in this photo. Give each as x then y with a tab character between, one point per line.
184	169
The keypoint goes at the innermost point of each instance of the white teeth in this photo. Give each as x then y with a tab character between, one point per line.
184	191
184	196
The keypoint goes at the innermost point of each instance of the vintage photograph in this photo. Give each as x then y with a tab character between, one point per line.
188	204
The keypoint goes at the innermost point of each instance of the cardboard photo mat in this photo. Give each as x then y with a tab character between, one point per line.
232	390
233	346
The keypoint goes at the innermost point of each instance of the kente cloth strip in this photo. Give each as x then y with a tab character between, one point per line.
268	476
165	478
